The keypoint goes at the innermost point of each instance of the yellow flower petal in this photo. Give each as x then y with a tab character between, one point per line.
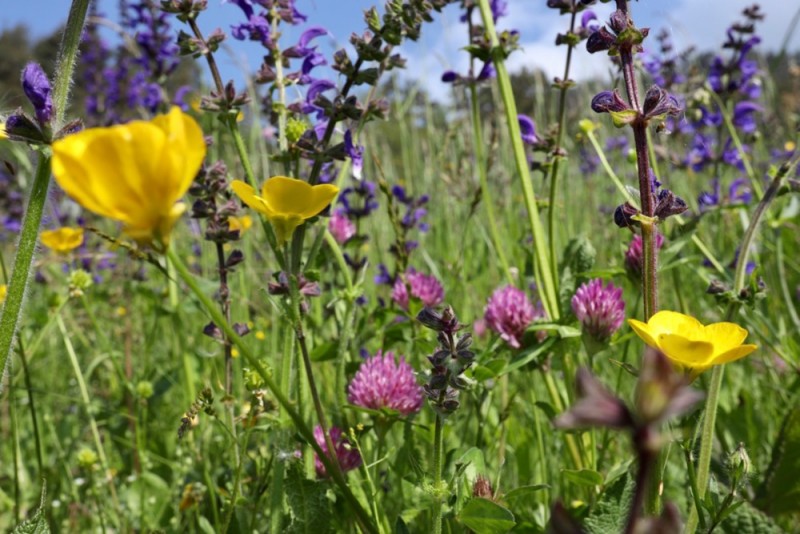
734	354
134	173
725	335
643	331
249	197
685	351
63	239
670	322
3	293
689	344
286	202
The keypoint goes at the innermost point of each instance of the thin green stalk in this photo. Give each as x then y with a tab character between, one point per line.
726	117
87	406
562	114
22	261
438	445
486	194
67	54
558	404
361	515
546	280
712	400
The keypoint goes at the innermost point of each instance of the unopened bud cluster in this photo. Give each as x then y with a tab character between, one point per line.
449	360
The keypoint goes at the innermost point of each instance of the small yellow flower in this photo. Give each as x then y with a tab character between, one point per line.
260	335
63	240
286	202
3	293
134	173
689	344
242	224
3	134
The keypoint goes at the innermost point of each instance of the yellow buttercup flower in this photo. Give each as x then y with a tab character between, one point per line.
689	344
242	224
3	293
134	173
286	202
62	240
3	134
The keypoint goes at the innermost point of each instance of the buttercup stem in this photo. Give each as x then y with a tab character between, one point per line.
712	401
545	279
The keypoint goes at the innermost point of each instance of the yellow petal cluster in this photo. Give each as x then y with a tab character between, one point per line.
286	202
3	293
691	345
134	173
62	240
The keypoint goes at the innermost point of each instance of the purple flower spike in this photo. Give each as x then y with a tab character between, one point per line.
600	309
424	287
528	129
509	312
355	153
37	88
348	456
382	382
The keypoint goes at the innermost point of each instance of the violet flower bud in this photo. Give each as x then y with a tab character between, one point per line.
669	204
608	102
658	103
600	41
37	88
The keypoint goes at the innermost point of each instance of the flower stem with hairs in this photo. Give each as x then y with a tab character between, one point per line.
712	401
33	214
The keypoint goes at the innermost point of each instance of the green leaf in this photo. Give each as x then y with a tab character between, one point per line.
308	503
486	517
36	524
529	355
324	351
746	519
583	477
611	511
523	493
623	118
780	493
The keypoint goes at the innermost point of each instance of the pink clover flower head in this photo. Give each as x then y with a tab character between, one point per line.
509	312
341	228
600	309
424	287
384	382
348	456
634	256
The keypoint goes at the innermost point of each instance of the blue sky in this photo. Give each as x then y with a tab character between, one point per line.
700	23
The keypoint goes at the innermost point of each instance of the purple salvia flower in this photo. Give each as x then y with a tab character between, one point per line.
509	312
527	129
341	227
424	287
600	309
348	457
383	382
355	153
37	88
